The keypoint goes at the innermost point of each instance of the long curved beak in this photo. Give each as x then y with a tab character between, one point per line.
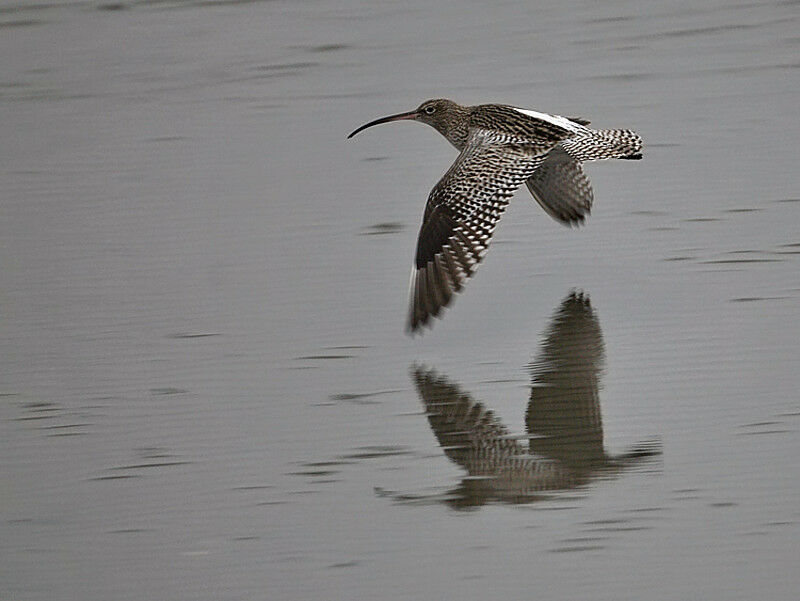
401	116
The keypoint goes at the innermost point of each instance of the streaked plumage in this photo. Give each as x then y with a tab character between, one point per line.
501	147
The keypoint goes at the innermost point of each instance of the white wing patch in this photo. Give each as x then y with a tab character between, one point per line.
554	119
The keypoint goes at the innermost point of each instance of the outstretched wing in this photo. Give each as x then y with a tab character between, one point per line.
563	415
470	434
561	187
462	212
498	467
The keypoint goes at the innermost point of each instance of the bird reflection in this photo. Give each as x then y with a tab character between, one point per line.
563	421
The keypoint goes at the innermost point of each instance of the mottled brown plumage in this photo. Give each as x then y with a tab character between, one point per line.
501	147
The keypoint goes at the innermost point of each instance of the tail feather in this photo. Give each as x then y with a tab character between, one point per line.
599	144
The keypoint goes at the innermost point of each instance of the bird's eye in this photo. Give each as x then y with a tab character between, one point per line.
430	110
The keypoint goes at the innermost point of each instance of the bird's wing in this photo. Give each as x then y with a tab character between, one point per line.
462	212
470	434
561	187
563	415
473	437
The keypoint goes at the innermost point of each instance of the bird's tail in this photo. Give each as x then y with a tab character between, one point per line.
599	144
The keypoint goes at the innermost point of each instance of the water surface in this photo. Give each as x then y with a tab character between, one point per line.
206	389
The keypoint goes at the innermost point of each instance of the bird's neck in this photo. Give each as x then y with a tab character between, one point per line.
456	128
457	136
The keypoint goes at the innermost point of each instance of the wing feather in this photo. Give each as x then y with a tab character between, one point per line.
461	214
561	187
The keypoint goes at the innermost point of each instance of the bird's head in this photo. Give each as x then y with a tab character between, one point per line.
439	113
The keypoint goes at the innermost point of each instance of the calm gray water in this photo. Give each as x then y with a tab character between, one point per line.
206	389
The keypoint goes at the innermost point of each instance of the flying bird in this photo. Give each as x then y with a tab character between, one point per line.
501	147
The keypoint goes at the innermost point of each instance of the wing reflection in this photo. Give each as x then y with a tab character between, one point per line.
563	420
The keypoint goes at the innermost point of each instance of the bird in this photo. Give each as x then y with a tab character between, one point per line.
563	420
500	148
